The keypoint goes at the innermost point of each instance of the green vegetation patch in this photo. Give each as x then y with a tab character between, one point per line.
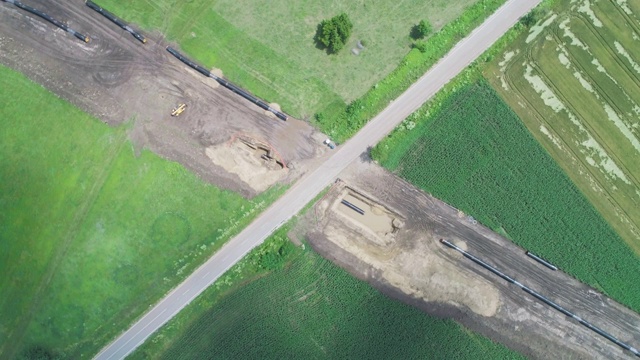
477	156
268	46
91	234
312	309
576	86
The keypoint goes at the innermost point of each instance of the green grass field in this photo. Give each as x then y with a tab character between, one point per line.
268	48
91	234
576	86
476	155
311	309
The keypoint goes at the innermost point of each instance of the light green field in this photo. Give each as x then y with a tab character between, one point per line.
268	48
575	82
91	234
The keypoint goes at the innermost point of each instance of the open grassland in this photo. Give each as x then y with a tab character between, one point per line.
268	47
476	155
311	309
575	82
90	233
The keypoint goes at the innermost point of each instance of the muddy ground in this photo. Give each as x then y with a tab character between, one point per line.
119	80
395	247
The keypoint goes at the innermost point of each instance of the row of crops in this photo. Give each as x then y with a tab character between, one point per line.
476	155
313	309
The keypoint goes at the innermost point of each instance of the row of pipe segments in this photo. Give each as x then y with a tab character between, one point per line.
43	15
544	299
229	85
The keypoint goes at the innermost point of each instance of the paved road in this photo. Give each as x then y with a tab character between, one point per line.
312	183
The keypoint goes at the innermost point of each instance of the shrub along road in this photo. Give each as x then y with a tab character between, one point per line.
311	184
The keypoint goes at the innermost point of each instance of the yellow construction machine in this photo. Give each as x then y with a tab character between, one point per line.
178	110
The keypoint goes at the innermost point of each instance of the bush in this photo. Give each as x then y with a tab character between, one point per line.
421	46
333	33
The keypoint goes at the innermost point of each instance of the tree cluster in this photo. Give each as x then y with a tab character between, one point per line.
333	33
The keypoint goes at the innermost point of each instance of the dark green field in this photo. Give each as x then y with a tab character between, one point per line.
312	309
90	232
476	155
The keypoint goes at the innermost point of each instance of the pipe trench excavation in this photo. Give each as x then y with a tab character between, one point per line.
544	299
227	84
55	22
115	20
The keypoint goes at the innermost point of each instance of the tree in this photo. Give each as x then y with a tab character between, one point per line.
333	33
421	30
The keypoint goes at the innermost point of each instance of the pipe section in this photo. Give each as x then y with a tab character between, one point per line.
115	20
544	299
353	207
43	15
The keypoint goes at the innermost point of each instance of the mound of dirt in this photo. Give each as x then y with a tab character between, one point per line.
250	165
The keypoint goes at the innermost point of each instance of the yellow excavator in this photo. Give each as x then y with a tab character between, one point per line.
178	110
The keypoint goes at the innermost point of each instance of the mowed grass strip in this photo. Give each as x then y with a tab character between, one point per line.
312	309
267	47
476	155
90	234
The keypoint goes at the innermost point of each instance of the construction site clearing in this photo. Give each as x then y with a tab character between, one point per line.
119	80
398	250
392	242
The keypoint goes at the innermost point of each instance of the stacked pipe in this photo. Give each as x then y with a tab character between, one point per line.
227	84
115	20
545	300
55	22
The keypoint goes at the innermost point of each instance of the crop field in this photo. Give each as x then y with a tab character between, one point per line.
92	230
268	47
312	309
575	82
476	155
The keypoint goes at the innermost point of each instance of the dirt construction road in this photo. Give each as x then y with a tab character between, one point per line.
414	267
312	183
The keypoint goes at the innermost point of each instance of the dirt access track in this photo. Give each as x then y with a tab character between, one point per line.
117	79
395	247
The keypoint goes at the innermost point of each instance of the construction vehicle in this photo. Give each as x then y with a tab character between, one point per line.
178	110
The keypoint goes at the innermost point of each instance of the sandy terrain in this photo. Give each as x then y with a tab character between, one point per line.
117	79
410	264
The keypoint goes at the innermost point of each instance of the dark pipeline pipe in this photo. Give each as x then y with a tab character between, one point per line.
116	20
545	300
48	18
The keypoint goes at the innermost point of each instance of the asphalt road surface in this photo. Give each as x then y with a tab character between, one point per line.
315	181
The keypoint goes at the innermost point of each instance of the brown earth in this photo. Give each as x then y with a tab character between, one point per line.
117	79
410	264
